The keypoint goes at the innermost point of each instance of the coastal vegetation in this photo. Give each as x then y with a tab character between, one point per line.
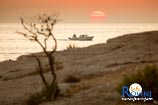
146	77
41	32
71	46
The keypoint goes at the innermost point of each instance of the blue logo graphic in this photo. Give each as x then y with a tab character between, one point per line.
135	92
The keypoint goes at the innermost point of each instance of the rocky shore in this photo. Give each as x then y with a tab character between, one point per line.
99	67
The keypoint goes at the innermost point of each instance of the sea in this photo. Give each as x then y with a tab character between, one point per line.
13	45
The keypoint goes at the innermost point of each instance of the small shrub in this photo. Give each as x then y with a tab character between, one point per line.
71	46
35	99
71	79
148	78
43	95
44	24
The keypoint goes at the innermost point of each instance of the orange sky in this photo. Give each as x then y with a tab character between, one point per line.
80	10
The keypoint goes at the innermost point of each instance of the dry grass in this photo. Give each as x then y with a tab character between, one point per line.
71	46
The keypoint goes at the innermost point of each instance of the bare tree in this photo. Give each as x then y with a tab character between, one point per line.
40	32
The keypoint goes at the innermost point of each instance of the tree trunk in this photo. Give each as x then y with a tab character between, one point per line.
41	71
53	90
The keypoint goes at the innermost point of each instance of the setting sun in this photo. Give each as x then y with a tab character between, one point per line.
97	16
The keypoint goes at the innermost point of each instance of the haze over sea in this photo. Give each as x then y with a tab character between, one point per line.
13	45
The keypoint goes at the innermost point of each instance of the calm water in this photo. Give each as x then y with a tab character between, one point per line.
13	45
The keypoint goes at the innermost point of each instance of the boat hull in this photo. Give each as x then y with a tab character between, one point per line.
82	39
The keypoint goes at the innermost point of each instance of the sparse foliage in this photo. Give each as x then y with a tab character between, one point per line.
40	32
71	79
71	46
148	78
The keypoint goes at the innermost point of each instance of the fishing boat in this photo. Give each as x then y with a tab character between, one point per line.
81	38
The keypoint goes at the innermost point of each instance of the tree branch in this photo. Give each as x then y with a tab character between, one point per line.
55	41
40	70
26	28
